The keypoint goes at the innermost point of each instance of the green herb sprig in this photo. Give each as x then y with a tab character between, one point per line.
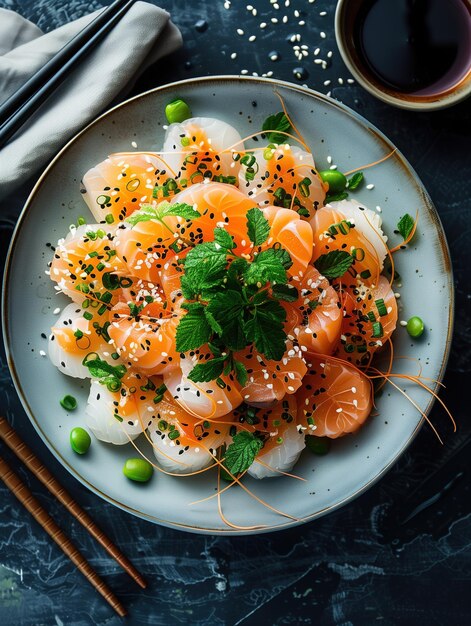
275	126
109	375
233	301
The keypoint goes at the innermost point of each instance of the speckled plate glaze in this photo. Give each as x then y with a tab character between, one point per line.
355	462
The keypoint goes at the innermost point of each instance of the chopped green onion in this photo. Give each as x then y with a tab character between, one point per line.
102	200
69	403
358	254
174	434
365	274
185	141
382	310
88	316
109	219
377	329
110	281
81	221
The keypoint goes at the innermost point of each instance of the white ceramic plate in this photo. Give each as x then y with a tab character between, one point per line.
355	462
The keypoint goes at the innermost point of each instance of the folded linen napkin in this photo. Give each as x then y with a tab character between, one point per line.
143	35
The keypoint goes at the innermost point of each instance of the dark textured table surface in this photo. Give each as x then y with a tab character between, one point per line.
399	554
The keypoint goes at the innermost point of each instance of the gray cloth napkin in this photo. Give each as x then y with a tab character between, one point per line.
143	35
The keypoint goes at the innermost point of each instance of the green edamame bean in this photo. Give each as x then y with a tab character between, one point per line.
177	111
415	326
318	445
336	180
138	470
79	440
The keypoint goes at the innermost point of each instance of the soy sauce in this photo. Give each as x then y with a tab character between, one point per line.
415	46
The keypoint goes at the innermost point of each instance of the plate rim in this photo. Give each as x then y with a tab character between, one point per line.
443	246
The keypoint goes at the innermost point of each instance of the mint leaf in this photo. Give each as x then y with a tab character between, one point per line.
267	266
164	209
405	225
109	375
265	329
336	197
242	452
240	372
355	181
227	309
224	239
207	371
334	264
99	368
193	330
258	227
235	271
280	253
146	212
274	124
212	321
288	293
205	267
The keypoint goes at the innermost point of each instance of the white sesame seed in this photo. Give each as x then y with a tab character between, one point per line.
252	37
329	158
244	71
240	31
322	13
333	167
274	20
370	186
234	55
318	61
263	25
403	323
42	353
340	81
133	144
301	23
316	51
379	209
322	34
350	81
327	82
57	311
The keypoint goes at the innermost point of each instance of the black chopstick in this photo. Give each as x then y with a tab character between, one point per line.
21	105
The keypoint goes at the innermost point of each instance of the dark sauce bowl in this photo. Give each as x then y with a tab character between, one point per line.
348	20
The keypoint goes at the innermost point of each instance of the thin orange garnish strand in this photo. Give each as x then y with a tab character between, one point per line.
416	380
368	165
262	132
293	126
223	517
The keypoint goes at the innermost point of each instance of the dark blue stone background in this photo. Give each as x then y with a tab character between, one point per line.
399	554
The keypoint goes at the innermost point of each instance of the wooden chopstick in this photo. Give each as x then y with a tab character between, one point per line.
21	105
24	495
13	441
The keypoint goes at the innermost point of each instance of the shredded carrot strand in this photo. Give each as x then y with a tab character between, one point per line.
368	165
293	125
